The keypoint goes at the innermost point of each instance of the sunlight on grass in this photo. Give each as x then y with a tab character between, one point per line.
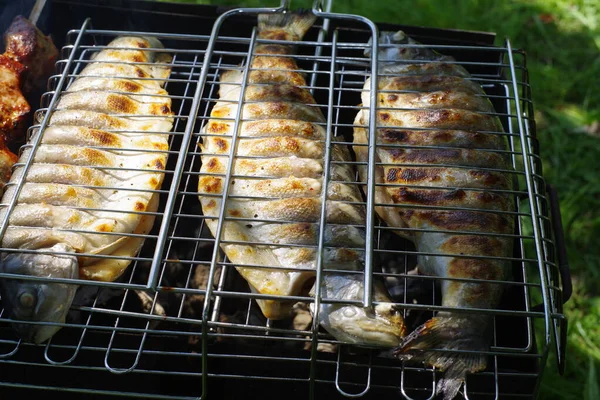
562	40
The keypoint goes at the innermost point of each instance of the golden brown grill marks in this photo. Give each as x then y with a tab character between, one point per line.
275	77
459	220
220	111
210	184
282	127
272	110
129	86
475	269
126	55
102	121
278	93
450	198
459	157
234	213
105	228
217	127
93	157
438	119
59	195
158	164
281	146
481	294
121	104
450	138
474	245
214	166
412	175
159	146
490	179
291	209
272	49
164	110
102	137
140	73
297	232
430	83
270	62
428	197
222	145
283	109
438	99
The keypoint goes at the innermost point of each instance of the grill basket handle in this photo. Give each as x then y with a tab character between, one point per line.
561	249
565	274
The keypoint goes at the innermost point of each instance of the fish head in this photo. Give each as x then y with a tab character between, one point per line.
38	300
381	325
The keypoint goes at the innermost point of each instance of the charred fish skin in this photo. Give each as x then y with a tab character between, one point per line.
279	181
421	106
76	200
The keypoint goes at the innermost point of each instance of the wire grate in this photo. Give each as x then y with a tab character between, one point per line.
156	320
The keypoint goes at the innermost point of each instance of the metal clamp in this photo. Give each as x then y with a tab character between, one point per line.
565	275
337	377
561	249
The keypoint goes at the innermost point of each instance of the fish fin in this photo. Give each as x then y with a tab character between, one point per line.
110	269
296	23
449	333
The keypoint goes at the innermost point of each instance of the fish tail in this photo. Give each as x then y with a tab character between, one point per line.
448	333
295	24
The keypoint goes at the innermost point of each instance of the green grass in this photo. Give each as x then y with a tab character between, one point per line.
562	41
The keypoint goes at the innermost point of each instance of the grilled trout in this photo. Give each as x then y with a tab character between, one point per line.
274	205
91	185
443	180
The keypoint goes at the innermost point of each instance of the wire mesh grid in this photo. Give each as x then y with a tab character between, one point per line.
155	321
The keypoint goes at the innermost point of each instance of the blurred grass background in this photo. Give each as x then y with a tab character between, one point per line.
562	41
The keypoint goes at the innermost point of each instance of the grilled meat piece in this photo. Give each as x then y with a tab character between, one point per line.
28	59
77	199
25	43
7	160
437	192
14	108
276	193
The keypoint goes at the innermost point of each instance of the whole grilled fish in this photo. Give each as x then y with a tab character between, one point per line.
275	194
90	185
440	179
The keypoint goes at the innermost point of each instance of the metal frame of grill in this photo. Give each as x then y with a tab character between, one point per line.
158	322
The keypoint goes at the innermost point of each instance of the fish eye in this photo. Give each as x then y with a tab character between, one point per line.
27	299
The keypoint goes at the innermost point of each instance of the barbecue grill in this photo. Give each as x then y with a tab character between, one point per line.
182	324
